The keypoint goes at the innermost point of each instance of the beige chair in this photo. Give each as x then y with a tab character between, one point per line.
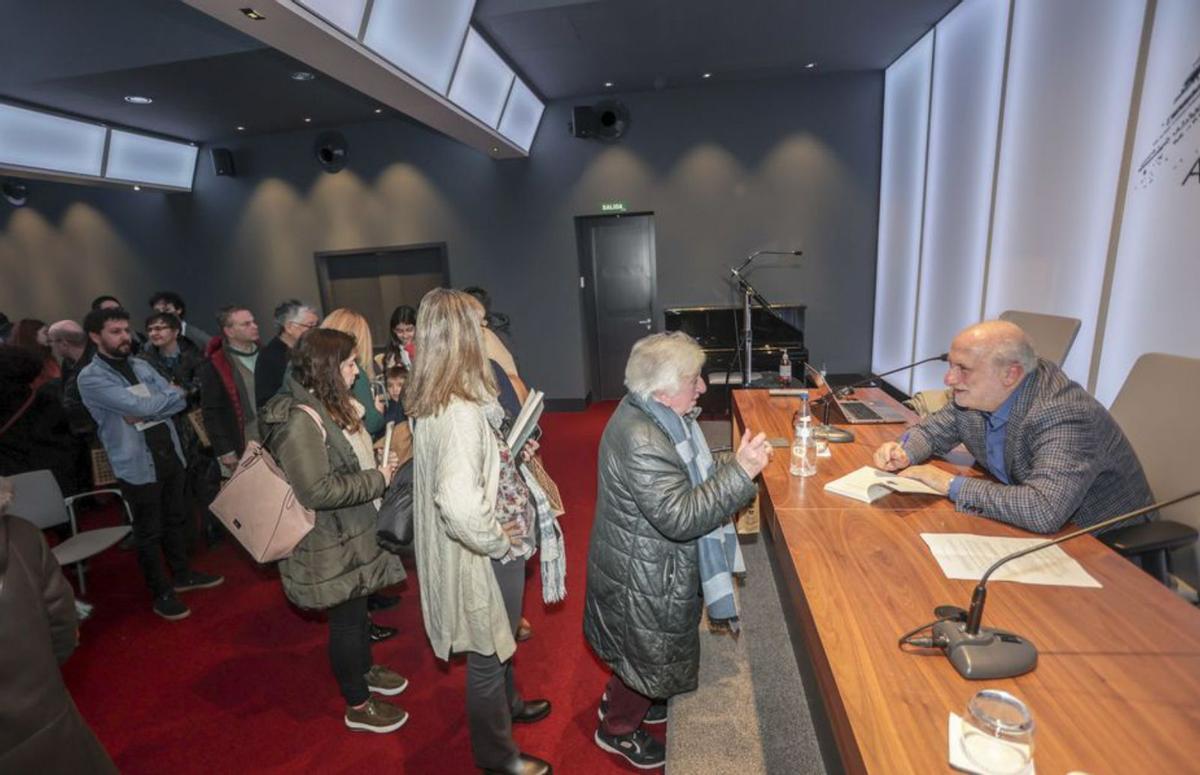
1156	409
1052	335
38	499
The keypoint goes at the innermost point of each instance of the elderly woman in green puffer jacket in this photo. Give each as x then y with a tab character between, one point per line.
332	470
659	492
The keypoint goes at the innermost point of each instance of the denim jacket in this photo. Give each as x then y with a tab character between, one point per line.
106	395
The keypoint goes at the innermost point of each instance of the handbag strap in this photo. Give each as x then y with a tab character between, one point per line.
316	418
17	415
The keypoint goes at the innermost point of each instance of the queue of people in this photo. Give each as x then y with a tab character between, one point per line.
311	396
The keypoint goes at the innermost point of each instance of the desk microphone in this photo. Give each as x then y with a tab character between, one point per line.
846	390
981	653
842	434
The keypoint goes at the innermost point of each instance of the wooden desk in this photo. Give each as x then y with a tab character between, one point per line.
1117	687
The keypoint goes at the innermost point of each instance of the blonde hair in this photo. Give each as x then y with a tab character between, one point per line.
350	322
451	362
662	362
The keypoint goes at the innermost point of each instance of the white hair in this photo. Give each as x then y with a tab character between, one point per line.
1019	351
662	363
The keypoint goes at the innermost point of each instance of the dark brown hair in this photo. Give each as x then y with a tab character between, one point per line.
316	365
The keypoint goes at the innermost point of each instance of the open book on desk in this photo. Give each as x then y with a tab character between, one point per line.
526	422
869	484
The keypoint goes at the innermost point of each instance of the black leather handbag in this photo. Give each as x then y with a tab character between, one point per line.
394	527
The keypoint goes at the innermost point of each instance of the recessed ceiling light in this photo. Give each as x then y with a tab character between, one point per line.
137	188
307	120
608	84
241	129
495	149
378	110
707	75
250	13
134	99
302	75
810	65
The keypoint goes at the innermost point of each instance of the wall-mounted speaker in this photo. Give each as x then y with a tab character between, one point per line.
222	159
607	121
332	151
15	192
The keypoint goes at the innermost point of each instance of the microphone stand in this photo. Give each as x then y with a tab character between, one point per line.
749	294
981	653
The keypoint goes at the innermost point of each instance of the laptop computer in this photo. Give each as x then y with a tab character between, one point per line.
863	411
857	411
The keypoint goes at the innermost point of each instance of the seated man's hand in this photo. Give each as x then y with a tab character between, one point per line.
930	475
891	456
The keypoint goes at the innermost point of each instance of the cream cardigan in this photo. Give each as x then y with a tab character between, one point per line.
456	473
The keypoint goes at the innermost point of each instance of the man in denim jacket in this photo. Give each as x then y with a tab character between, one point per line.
133	406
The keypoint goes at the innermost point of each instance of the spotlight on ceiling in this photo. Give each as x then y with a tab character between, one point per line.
252	14
241	129
608	84
378	110
137	188
134	99
302	75
810	65
707	75
307	120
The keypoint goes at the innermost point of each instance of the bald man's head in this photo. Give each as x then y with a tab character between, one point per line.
66	339
987	363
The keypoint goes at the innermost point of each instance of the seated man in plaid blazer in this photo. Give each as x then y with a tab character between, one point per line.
1057	455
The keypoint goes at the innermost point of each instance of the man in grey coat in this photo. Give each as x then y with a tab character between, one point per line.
1056	453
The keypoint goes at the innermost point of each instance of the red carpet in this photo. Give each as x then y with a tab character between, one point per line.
243	685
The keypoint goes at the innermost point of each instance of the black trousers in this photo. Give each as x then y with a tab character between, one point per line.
350	648
492	697
159	524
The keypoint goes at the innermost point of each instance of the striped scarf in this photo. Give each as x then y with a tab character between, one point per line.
720	555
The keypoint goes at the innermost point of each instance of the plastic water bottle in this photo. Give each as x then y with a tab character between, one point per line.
804	454
785	369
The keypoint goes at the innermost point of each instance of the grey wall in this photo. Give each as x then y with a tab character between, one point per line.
726	169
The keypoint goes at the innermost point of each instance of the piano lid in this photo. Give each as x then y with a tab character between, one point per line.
719	327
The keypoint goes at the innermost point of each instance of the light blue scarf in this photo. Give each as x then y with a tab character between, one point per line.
720	555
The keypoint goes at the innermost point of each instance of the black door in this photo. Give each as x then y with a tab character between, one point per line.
617	275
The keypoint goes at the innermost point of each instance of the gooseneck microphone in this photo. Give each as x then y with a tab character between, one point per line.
840	435
980	653
738	272
845	390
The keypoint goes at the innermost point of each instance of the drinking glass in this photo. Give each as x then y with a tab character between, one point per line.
997	733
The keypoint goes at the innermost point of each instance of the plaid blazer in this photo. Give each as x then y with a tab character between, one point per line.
1067	459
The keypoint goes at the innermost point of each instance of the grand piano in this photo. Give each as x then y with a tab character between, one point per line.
719	331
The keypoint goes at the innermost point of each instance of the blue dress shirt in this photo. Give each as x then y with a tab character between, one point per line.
997	432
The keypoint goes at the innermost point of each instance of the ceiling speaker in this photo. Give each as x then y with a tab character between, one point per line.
15	192
332	151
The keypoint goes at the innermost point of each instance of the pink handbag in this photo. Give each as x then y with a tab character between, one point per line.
258	506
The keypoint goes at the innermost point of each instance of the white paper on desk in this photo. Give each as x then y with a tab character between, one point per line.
966	556
141	391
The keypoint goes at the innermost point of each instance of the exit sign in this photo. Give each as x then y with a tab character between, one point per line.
612	207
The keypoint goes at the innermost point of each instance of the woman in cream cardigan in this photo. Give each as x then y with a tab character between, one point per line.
473	524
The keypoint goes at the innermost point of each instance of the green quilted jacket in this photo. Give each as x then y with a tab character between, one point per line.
340	559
